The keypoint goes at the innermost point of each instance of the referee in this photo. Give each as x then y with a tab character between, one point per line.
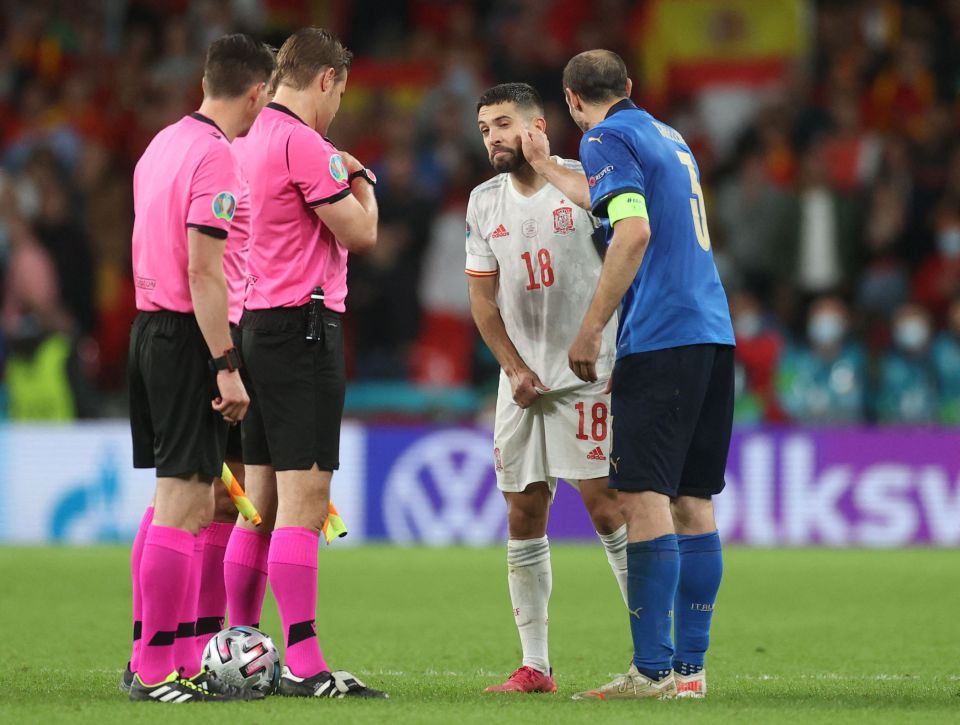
185	387
672	385
311	205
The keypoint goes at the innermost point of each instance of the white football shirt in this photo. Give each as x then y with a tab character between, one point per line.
542	249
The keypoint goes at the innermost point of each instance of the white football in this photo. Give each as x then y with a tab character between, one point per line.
243	657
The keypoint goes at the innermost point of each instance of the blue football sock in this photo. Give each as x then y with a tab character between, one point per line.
652	571
701	567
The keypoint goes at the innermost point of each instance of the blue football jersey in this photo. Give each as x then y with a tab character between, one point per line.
676	298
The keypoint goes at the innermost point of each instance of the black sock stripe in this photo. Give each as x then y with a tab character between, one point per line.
186	629
255	625
137	630
162	639
209	625
300	631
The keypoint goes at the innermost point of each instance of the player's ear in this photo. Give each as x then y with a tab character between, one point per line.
253	96
540	124
330	78
629	87
322	81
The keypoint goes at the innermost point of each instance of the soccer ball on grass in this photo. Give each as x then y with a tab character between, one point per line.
243	657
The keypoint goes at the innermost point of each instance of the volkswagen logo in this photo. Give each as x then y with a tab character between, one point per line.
442	490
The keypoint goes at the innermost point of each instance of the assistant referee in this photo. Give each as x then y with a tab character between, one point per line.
184	382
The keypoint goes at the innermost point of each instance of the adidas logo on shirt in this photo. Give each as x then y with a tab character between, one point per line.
596	455
500	232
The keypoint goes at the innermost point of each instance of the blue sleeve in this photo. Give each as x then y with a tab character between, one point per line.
611	168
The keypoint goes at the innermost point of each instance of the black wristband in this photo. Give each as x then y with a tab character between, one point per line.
364	174
230	360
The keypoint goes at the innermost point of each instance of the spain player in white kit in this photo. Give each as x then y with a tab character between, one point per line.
531	268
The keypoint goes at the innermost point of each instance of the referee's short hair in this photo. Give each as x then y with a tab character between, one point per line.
523	95
596	76
234	63
307	52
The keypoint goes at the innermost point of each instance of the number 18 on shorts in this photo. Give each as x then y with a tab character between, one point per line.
562	435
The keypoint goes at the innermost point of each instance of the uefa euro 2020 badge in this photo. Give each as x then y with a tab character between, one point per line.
224	205
337	170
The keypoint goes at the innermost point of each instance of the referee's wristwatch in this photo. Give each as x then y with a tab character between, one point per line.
230	361
365	174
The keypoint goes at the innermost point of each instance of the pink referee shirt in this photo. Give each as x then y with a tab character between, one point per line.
292	170
238	243
187	177
235	255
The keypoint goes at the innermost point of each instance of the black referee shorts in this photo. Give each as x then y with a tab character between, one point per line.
234	440
175	430
672	418
296	393
234	450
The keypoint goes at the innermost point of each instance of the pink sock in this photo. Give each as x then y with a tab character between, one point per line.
136	555
293	578
185	646
212	601
164	579
245	576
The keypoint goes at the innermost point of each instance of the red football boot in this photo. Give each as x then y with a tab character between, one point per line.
526	679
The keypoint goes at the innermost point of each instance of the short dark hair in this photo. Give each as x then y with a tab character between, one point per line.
596	76
523	95
234	63
307	52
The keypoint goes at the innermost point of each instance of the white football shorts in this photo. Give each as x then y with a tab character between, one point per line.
562	435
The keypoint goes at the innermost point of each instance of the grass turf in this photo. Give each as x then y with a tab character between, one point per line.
799	636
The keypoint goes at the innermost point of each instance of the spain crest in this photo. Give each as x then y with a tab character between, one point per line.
563	220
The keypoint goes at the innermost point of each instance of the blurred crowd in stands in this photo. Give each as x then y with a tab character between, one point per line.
831	165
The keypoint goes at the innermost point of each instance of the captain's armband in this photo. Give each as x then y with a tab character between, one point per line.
630	204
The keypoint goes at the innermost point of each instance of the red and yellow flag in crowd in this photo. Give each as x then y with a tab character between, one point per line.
685	45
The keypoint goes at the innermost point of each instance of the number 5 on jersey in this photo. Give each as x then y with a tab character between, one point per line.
697	207
546	271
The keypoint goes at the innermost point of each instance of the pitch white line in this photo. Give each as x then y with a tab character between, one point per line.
834	676
433	673
822	676
825	676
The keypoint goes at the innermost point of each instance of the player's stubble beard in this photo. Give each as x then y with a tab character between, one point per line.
514	161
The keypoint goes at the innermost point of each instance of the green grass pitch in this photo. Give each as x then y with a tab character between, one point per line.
799	636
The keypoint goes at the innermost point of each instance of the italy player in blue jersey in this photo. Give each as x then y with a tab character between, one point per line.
672	386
